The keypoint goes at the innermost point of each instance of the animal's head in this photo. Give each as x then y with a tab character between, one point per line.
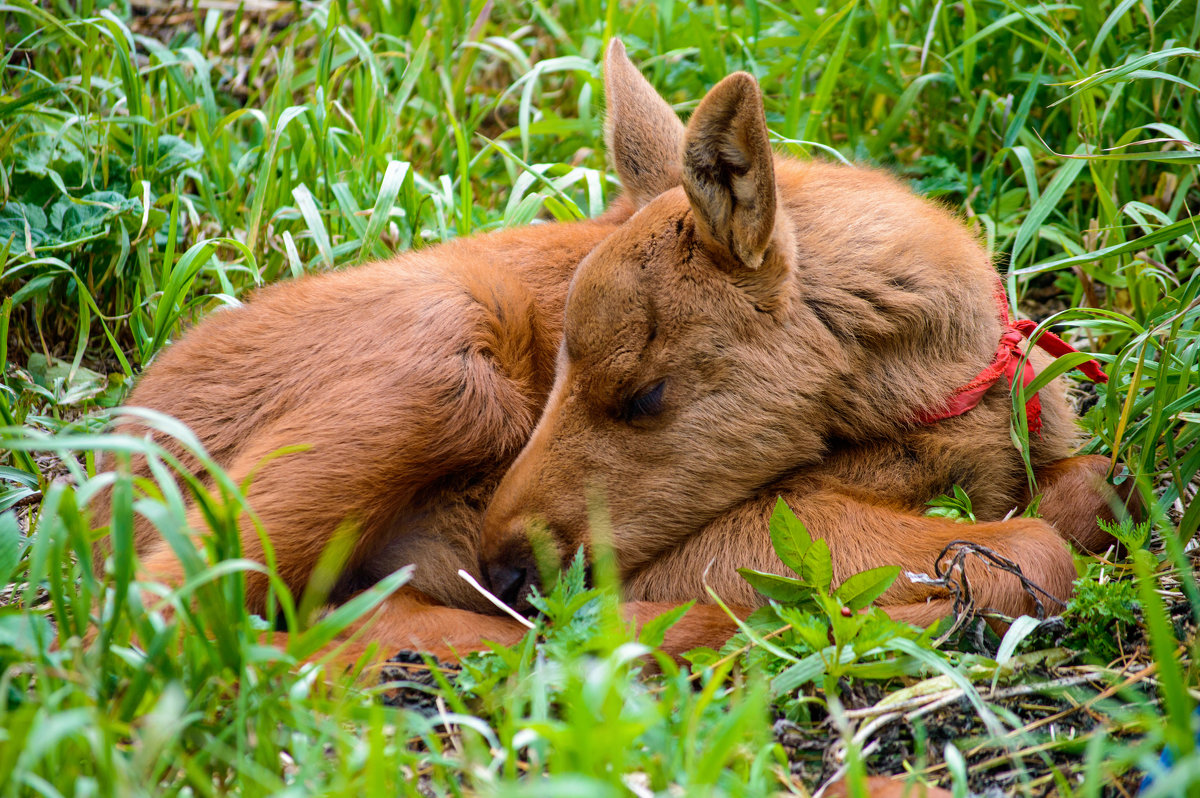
666	408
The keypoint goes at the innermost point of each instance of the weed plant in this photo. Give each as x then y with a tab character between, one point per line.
158	161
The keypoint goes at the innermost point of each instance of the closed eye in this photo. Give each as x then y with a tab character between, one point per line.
646	403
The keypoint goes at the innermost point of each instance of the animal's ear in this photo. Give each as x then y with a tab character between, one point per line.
642	132
729	172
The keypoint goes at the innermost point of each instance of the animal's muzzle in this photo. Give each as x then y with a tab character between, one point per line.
512	575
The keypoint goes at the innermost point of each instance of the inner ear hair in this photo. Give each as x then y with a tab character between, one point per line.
729	171
641	130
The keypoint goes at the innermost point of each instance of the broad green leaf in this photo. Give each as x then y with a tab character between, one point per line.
175	154
808	622
23	224
780	588
817	566
860	590
755	638
789	535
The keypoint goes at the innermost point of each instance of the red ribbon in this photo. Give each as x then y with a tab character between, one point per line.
1008	358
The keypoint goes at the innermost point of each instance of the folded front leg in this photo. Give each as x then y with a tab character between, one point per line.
1075	492
410	621
864	532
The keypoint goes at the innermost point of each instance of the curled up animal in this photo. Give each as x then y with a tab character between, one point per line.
736	327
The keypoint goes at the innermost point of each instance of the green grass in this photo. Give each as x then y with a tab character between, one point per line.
153	168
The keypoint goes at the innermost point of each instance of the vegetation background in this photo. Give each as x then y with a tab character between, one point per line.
161	159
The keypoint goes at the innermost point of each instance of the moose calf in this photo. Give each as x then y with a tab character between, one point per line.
737	326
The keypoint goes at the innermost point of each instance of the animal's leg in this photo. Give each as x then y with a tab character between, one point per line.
863	532
1075	492
1072	488
887	787
410	620
702	625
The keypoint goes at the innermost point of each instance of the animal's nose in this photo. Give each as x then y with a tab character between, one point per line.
512	575
506	582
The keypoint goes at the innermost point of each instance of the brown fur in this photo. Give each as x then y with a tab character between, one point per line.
797	316
883	787
413	382
800	313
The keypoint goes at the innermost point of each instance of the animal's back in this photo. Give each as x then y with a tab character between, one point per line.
405	379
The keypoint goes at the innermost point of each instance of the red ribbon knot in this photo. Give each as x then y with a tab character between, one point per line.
1007	360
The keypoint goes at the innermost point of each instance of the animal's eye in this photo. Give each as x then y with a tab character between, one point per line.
646	403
